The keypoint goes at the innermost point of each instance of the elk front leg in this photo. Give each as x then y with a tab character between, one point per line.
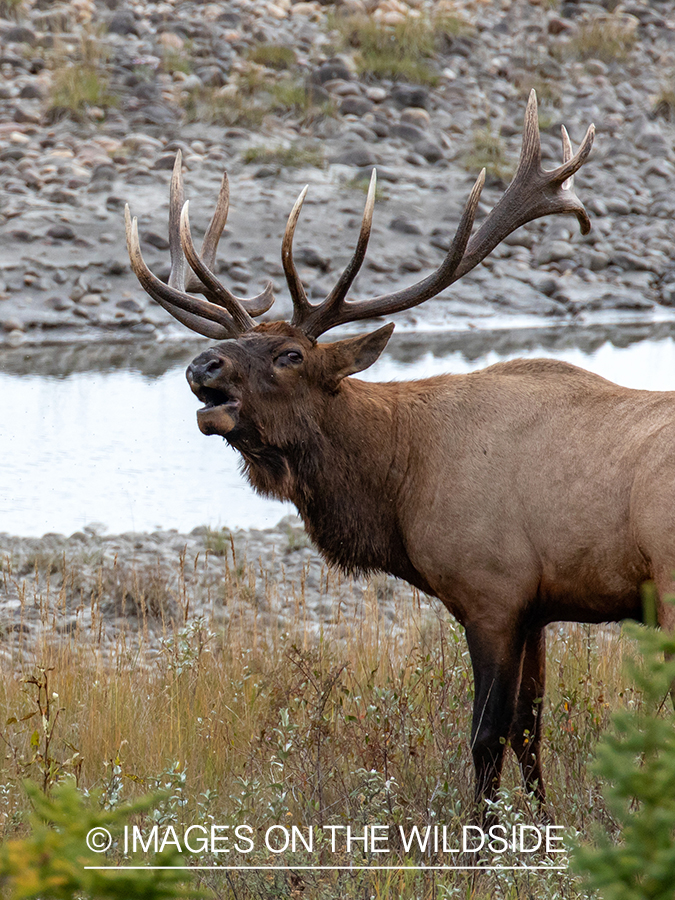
526	729
496	661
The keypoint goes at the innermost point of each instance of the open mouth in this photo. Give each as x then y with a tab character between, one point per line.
219	415
211	398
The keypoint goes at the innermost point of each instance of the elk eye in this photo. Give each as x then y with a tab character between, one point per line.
289	358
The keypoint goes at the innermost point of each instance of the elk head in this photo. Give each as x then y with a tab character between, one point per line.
260	383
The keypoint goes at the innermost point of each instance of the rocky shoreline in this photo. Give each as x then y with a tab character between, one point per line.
149	587
202	79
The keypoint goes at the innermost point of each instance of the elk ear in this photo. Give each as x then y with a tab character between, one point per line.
355	354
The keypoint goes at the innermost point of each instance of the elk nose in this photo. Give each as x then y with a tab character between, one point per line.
204	369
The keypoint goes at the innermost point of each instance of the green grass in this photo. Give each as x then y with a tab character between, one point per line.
274	56
218	541
79	86
11	9
241	720
248	100
488	151
177	61
404	51
608	38
361	183
295	156
80	81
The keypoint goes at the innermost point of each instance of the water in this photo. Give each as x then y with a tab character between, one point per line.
114	441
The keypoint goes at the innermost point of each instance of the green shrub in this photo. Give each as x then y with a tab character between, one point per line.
53	861
637	759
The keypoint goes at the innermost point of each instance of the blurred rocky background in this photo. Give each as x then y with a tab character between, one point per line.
97	97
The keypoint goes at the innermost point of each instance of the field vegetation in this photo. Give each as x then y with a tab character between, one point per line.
364	720
402	51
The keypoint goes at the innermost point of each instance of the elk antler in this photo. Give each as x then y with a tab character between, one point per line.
221	315
532	193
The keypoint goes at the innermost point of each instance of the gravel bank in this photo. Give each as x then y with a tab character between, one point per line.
200	78
97	587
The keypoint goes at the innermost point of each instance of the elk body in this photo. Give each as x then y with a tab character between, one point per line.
526	493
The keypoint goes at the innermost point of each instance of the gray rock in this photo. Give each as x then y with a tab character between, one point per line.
32	91
26	116
554	252
165	162
594	260
618	205
19	34
356	156
330	70
97	284
430	150
410	133
356	106
61	232
409	95
405	225
211	76
115	203
155	240
60	304
104	173
123	22
130	305
311	256
632	262
267	171
62	195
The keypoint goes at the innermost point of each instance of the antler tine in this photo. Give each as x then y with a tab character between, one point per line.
333	302
184	281
301	307
325	316
213	232
240	308
177	274
211	287
191	311
532	193
568	152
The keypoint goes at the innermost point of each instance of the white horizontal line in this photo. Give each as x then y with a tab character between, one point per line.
339	868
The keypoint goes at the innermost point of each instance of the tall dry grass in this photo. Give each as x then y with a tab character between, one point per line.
364	719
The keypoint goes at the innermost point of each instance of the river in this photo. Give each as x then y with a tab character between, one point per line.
107	437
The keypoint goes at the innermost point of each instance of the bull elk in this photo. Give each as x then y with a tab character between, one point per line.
526	493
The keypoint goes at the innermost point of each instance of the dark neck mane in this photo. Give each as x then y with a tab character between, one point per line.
342	477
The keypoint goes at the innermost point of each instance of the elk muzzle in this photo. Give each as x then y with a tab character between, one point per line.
210	377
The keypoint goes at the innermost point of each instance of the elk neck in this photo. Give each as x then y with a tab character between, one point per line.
346	472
